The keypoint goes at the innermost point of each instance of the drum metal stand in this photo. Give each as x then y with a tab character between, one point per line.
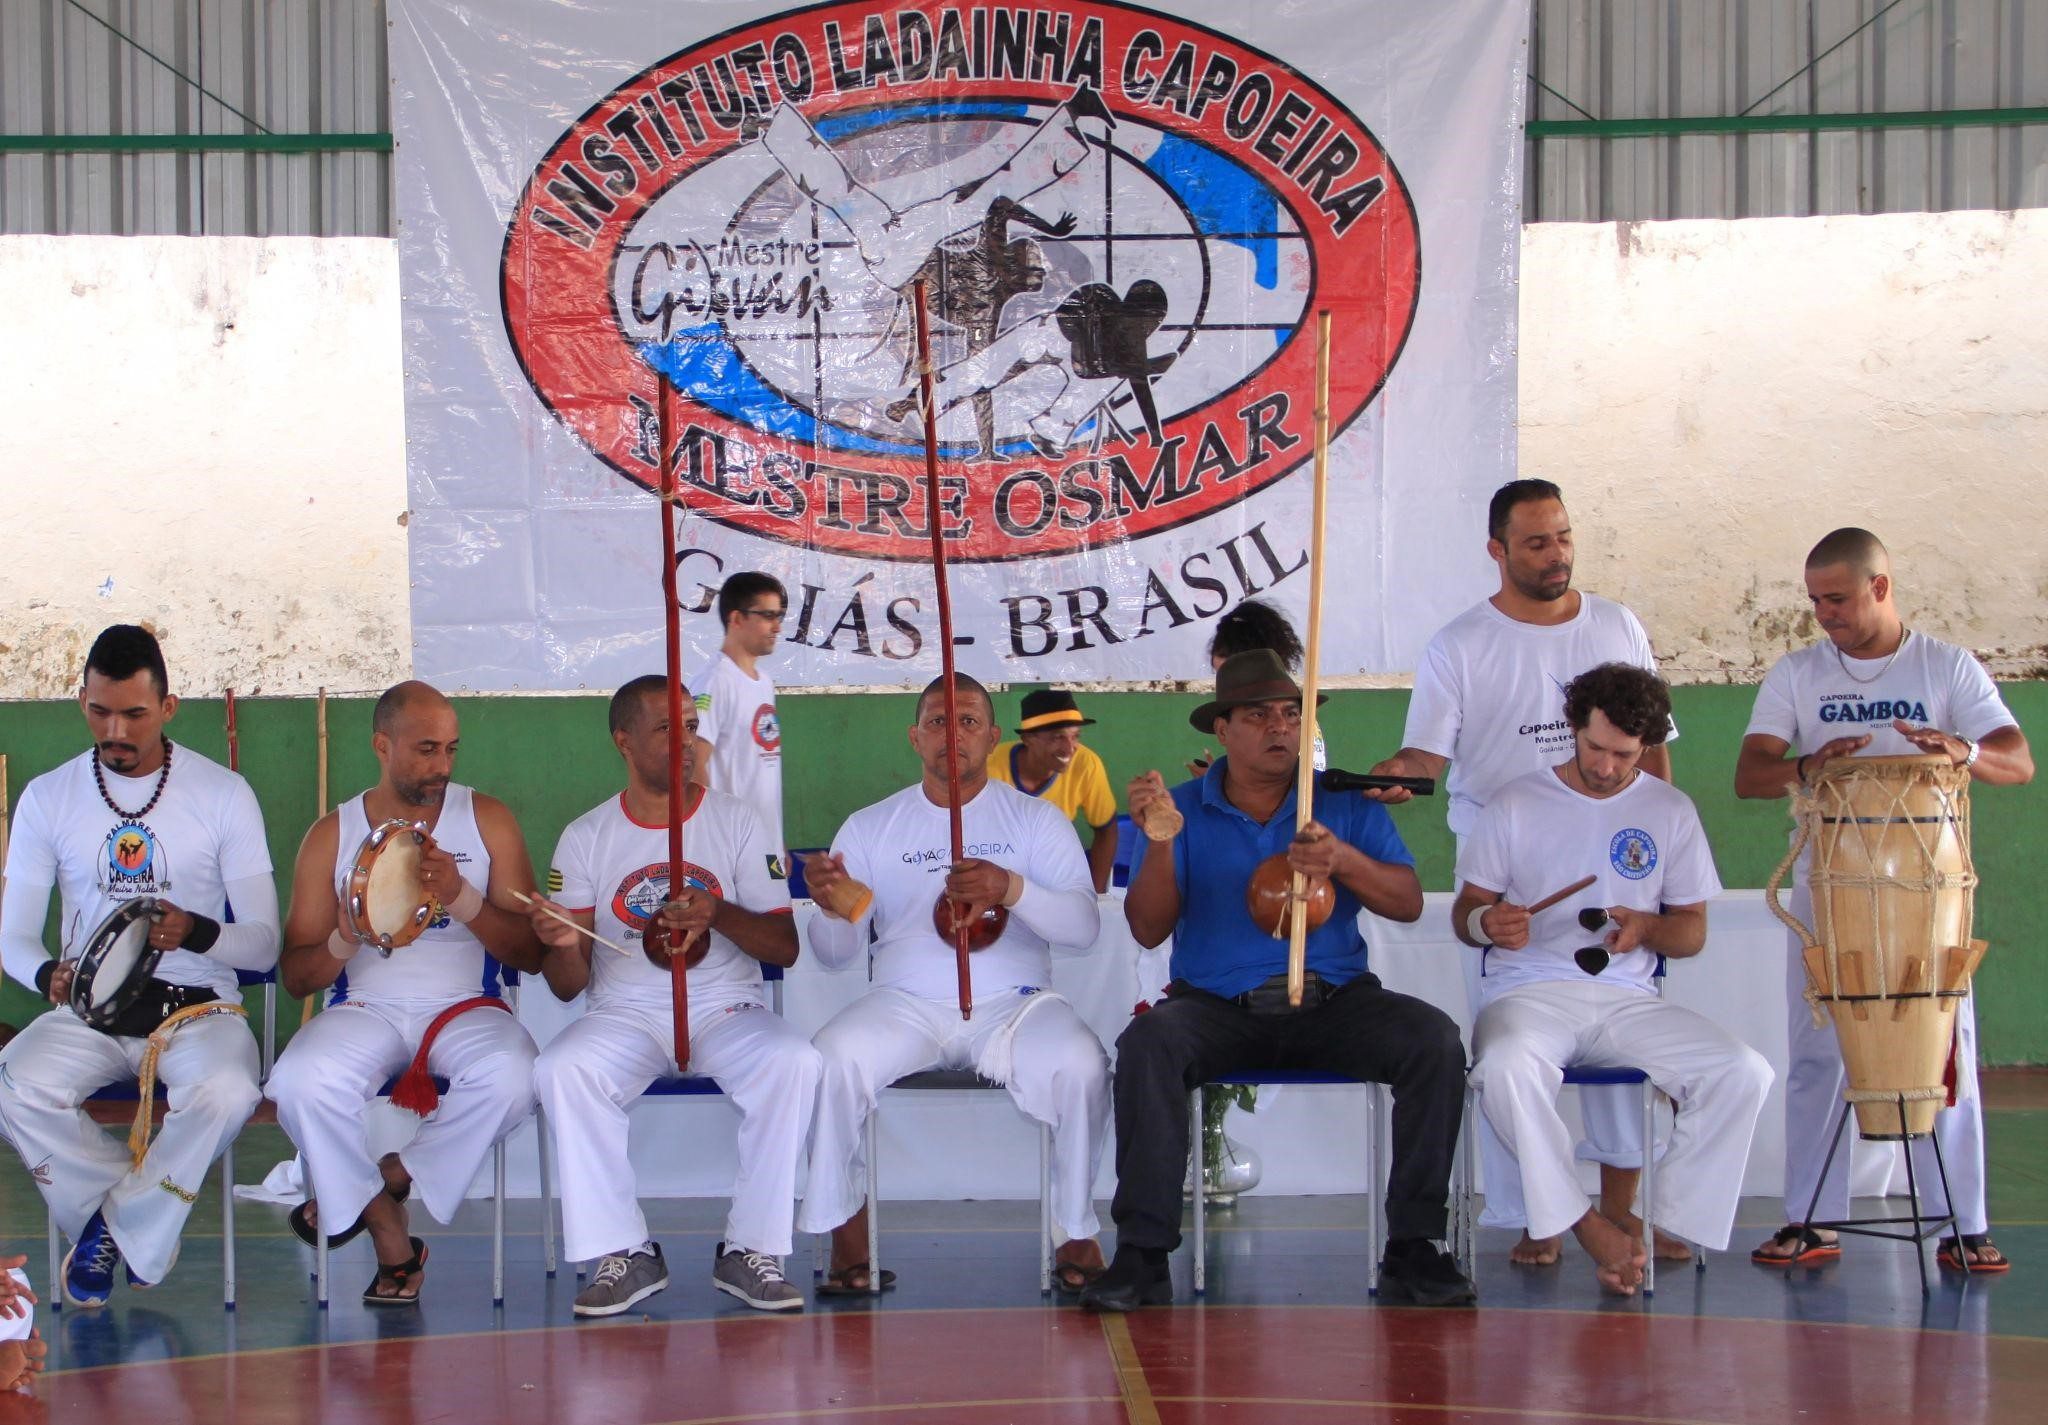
1923	1227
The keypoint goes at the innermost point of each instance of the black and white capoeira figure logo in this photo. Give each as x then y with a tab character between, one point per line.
1125	225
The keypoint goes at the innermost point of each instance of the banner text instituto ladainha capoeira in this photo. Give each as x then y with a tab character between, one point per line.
1126	221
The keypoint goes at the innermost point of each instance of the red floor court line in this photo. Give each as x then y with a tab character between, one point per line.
1270	1366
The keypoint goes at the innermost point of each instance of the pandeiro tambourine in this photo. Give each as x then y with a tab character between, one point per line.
384	905
115	966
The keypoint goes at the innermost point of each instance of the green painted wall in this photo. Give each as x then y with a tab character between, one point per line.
550	759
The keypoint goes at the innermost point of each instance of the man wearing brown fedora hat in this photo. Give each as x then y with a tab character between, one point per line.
1048	761
1227	1008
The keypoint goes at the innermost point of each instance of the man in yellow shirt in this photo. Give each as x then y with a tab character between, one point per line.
1047	760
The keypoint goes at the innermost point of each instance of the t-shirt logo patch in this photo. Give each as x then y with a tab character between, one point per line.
1632	853
703	701
767	729
645	891
133	864
776	870
554	881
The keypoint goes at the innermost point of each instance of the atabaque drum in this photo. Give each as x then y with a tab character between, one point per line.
1889	952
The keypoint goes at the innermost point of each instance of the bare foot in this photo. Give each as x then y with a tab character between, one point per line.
1618	1259
1669	1248
850	1242
1536	1251
389	1229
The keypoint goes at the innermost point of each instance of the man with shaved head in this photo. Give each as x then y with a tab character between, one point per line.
391	1008
1020	855
1872	688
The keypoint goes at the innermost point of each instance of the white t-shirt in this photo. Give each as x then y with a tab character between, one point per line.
1489	693
205	831
1816	694
736	715
446	962
617	867
1538	835
900	849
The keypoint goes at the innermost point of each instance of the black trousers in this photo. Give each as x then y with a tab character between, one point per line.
1365	1032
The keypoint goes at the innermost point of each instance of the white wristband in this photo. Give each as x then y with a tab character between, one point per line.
341	947
1975	747
1473	930
467	906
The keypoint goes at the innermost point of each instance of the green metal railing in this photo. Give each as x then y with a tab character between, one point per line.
195	143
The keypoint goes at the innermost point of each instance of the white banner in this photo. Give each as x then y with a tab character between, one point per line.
1126	221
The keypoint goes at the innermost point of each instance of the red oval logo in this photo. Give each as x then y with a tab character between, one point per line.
1125	224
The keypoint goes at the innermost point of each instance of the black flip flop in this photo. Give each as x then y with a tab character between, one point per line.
401	1275
304	1230
835	1283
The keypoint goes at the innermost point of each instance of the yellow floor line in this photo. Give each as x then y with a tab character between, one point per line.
1139	1407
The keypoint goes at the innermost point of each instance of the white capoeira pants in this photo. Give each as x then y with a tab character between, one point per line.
590	1074
894	242
1056	1072
209	1072
1612	1119
1526	1036
338	1062
1814	1080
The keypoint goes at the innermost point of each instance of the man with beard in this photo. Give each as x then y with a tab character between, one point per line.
1022	855
409	1006
134	816
1550	999
611	873
739	737
1873	687
1227	1009
1488	704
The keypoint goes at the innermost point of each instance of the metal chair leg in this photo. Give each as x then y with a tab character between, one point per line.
874	1208
1195	1157
498	1224
1649	1094
56	1287
547	1191
1045	1247
227	1226
320	1266
1375	1197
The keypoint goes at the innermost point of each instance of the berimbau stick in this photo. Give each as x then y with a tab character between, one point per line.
961	927
1305	770
672	631
552	914
1566	894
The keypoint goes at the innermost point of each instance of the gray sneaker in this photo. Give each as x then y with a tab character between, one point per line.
755	1278
621	1281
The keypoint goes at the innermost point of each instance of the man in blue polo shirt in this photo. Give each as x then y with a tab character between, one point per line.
1227	1010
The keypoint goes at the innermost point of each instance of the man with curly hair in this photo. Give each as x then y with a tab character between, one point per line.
1558	992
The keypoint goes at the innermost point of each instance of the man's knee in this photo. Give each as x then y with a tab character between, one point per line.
1750	1075
228	1095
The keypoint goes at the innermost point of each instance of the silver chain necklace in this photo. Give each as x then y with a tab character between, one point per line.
1904	634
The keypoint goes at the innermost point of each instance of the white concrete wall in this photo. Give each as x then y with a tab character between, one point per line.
1715	396
206	435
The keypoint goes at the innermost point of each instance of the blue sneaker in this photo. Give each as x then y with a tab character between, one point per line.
89	1266
138	1283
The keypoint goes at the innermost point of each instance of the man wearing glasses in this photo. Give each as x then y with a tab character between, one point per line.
1556	991
1227	1007
740	738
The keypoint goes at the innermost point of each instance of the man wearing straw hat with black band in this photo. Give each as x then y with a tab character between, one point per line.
1049	762
1227	1008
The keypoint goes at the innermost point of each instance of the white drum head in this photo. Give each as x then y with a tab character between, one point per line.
119	961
